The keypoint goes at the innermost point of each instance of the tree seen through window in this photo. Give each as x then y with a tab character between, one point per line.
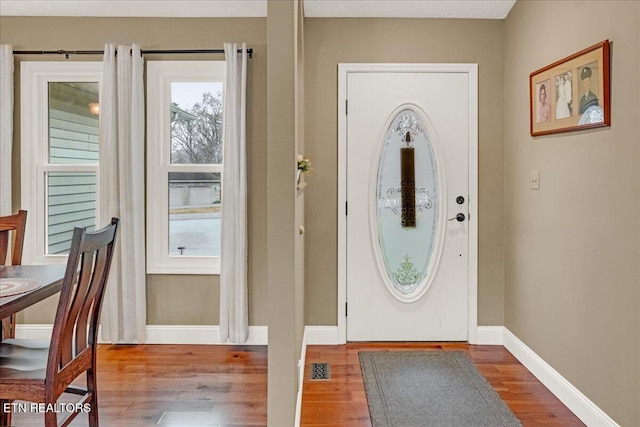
196	131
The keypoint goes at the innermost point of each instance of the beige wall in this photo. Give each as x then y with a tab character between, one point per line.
300	193
285	279
559	266
572	248
332	41
168	303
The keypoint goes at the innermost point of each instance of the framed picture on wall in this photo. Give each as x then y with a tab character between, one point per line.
571	94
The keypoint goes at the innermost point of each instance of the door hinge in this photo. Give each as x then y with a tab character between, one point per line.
346	208
346	107
346	309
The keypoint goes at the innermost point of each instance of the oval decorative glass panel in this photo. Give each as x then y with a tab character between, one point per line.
407	213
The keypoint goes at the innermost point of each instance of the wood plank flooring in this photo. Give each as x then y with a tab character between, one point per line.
342	400
198	385
176	385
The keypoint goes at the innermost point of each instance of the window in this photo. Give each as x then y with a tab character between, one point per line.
184	166
60	156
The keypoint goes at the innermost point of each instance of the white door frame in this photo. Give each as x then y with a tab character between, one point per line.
472	71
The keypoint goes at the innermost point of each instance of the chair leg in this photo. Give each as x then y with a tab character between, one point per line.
93	416
5	416
91	388
9	327
50	419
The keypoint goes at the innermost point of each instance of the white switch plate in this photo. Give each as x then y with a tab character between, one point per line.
535	180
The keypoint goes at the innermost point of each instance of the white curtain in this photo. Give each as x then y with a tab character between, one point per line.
122	191
6	127
234	316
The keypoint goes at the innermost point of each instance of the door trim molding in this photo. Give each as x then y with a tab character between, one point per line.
472	71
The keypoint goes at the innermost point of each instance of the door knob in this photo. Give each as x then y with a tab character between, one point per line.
460	217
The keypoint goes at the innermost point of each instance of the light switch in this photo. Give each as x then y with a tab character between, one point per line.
535	180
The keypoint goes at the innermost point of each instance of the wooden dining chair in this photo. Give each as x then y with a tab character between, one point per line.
40	374
17	225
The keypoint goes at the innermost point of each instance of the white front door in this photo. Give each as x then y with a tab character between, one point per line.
407	227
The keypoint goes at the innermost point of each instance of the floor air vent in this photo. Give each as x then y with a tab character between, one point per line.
320	372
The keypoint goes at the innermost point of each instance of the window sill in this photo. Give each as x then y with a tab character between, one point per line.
212	269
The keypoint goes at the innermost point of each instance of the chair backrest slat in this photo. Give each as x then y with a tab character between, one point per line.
86	276
78	297
4	246
17	224
82	340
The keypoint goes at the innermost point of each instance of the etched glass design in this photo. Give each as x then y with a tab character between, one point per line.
407	251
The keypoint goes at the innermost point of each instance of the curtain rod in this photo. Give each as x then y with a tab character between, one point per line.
66	53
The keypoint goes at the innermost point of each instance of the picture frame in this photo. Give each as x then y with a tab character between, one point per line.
571	94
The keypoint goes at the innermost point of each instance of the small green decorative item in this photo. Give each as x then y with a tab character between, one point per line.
406	275
304	168
304	164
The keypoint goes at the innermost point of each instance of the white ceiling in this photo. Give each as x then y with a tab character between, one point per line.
482	9
155	8
490	9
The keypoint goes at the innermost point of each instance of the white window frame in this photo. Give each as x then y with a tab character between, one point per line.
160	75
34	125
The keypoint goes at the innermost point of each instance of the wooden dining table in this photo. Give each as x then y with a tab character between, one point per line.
48	276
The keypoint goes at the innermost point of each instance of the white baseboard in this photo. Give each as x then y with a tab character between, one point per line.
321	335
490	335
588	412
162	334
301	365
34	332
328	335
197	334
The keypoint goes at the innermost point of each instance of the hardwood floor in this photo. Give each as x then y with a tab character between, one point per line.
197	385
177	385
342	400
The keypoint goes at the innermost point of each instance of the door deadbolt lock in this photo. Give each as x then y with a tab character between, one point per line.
460	217
459	200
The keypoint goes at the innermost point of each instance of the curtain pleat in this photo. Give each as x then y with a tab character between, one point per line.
234	316
122	191
6	127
